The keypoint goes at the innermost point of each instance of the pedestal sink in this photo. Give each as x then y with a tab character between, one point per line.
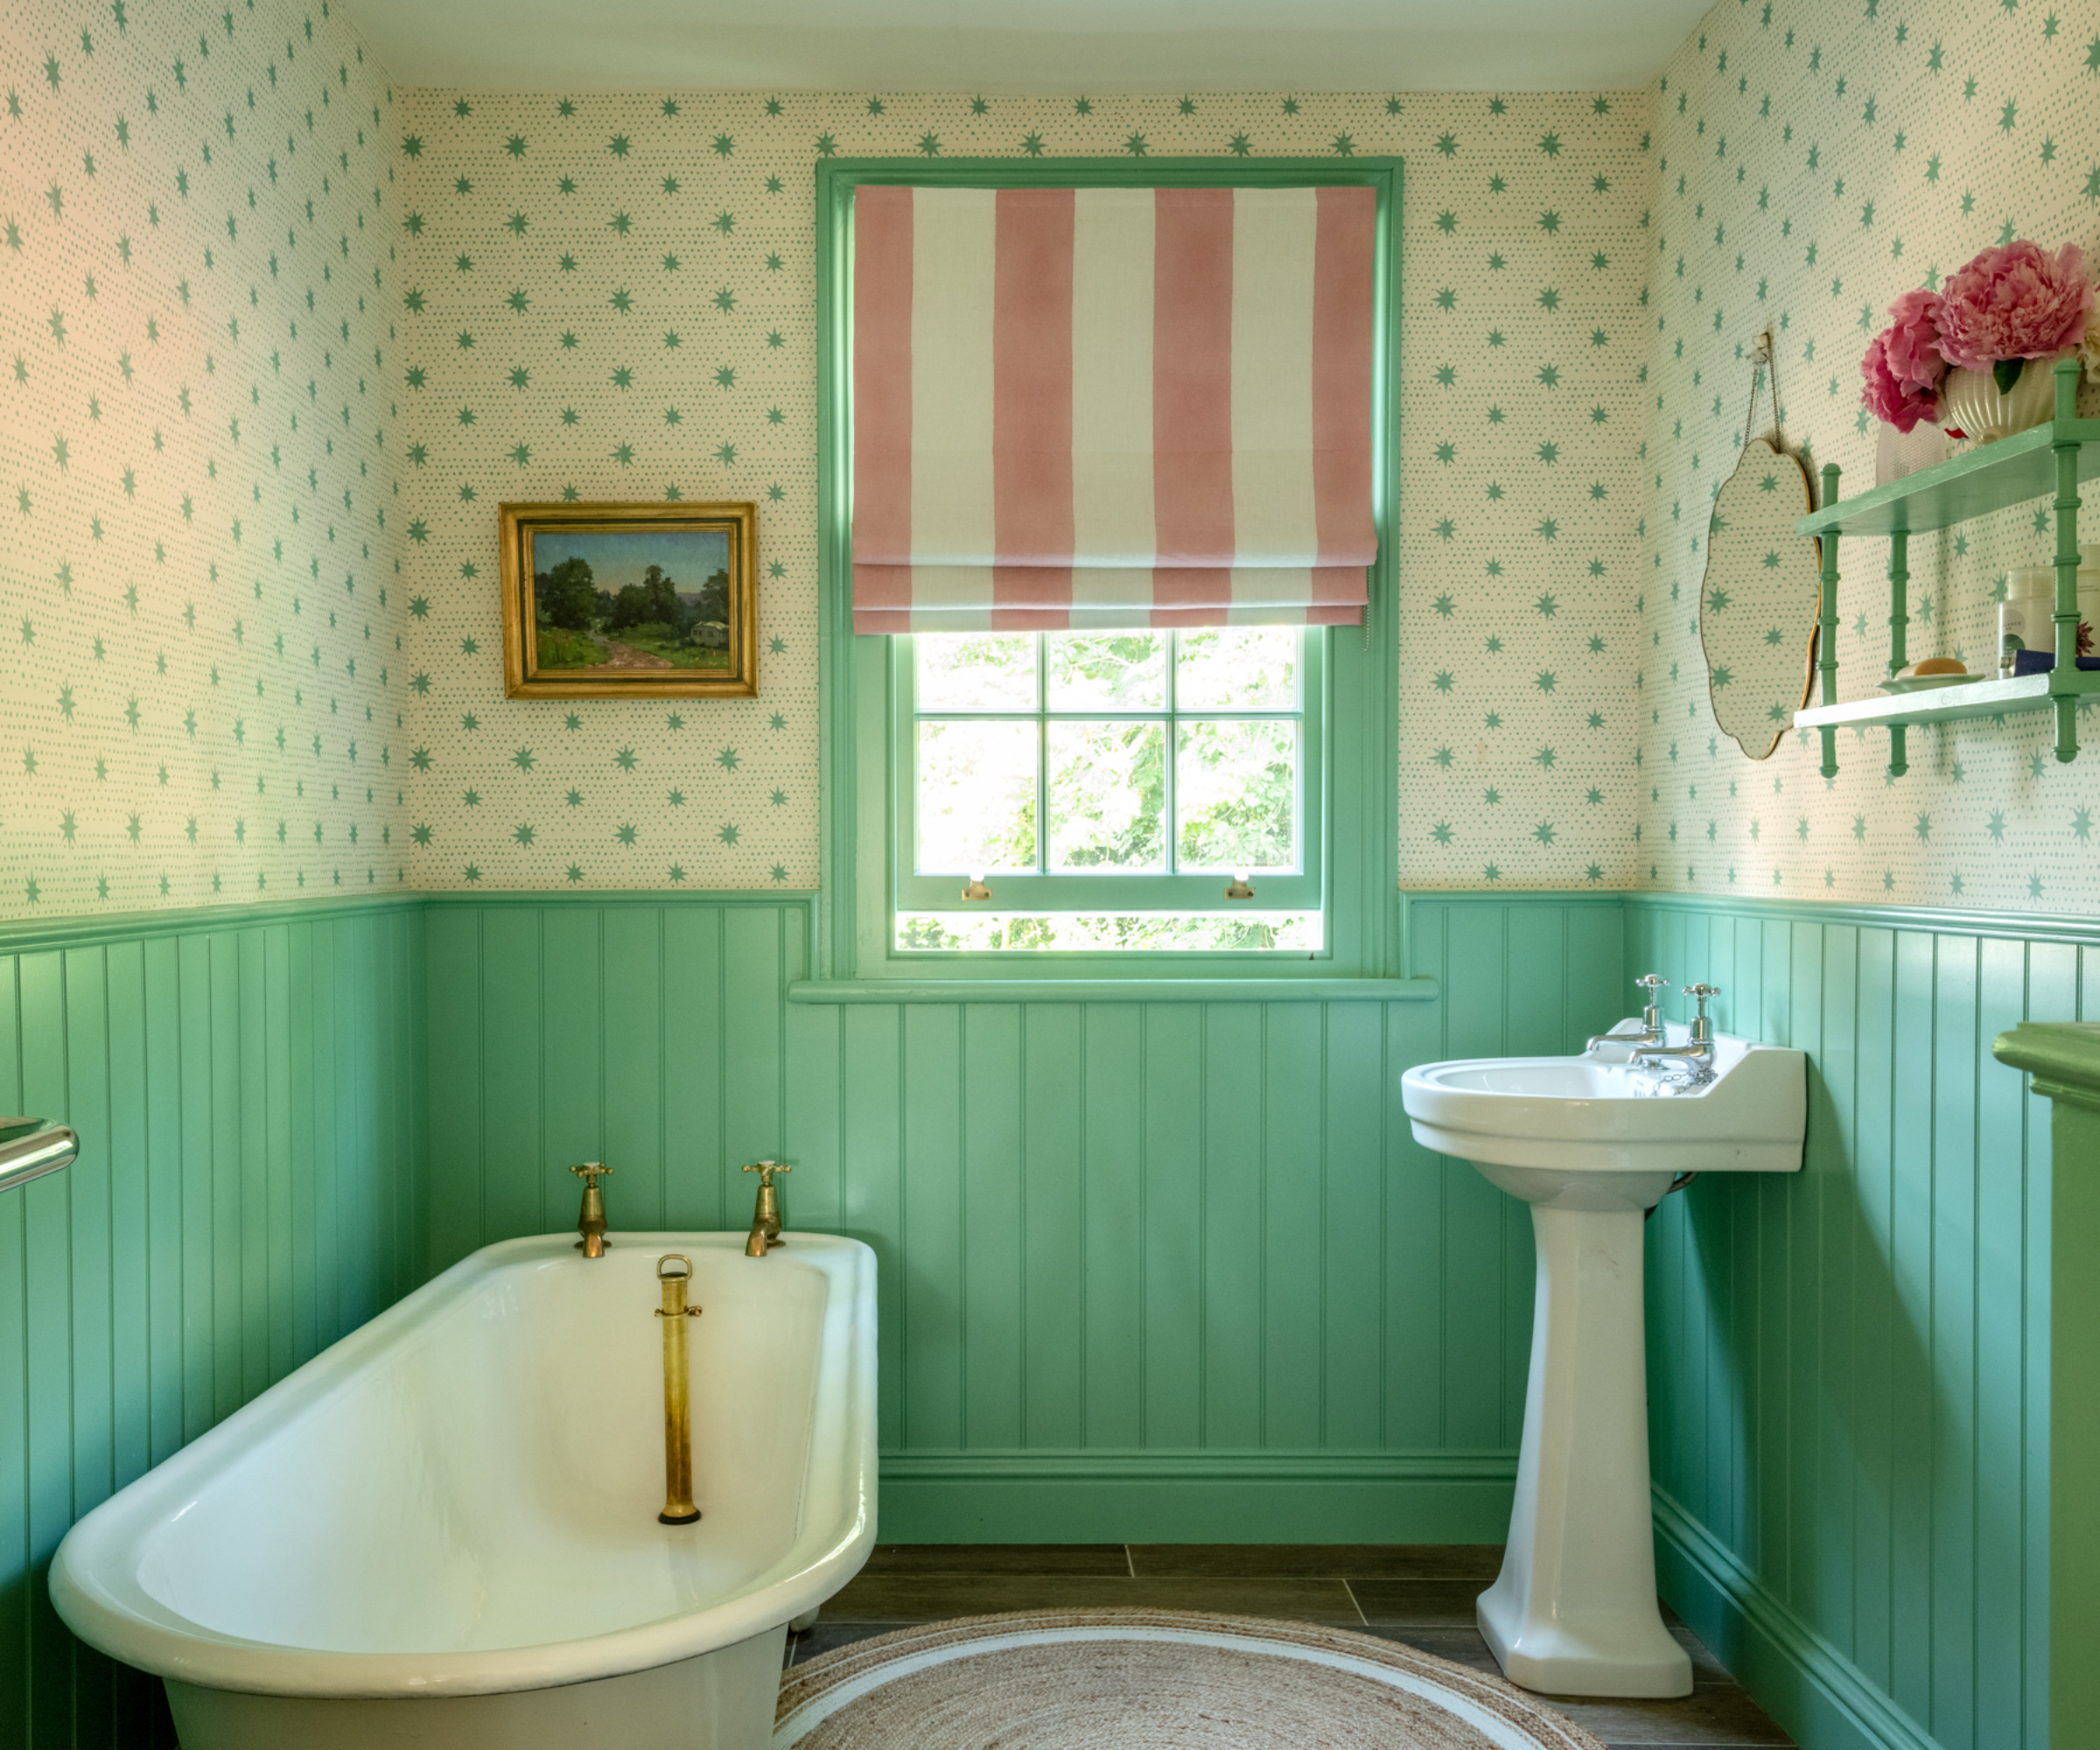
1591	1143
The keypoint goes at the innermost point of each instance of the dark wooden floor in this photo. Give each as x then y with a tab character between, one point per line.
1421	1594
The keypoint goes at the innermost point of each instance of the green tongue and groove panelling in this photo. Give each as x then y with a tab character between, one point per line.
1172	1261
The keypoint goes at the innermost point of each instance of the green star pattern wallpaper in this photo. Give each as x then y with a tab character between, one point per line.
278	339
1810	166
612	297
203	689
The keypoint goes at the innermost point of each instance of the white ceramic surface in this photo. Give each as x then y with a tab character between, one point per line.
1927	683
1591	1143
1972	403
457	1503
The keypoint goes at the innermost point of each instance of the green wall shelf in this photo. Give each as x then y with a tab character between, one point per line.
1992	477
1951	705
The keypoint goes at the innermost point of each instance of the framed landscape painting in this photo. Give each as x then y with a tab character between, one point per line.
606	601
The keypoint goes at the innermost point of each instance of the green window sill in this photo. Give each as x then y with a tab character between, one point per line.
1112	991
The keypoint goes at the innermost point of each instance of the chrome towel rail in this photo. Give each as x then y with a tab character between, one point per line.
36	1154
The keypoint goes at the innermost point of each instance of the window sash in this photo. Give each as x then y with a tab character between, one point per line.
853	940
1303	889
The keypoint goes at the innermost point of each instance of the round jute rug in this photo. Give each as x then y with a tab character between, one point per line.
1130	1679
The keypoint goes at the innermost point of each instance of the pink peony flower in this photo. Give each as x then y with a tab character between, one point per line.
2014	303
1914	340
1888	397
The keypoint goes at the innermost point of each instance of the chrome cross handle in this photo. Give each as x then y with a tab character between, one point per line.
1702	1029
1695	1055
1651	1017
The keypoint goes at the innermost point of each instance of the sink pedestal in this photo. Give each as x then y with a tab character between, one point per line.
1591	1143
1574	1610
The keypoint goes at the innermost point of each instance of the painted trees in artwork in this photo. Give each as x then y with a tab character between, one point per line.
655	616
567	596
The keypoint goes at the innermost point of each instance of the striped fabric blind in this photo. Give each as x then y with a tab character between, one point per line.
1111	407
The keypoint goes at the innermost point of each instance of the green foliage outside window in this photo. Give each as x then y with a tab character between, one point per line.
1039	757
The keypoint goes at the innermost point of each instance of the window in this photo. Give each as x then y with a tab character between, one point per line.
1105	786
1150	789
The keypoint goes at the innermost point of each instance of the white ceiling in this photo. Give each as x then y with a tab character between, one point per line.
1026	47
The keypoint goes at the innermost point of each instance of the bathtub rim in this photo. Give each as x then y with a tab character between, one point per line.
93	1582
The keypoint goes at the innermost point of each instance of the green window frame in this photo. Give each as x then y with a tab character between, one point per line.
1350	751
1299	889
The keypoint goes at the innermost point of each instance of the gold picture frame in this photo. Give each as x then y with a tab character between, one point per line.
613	601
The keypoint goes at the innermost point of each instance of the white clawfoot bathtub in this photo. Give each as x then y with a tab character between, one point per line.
443	1529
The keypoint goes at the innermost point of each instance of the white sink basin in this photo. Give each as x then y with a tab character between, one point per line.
1591	1143
1608	1133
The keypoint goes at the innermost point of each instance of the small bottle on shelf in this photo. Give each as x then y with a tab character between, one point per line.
2023	616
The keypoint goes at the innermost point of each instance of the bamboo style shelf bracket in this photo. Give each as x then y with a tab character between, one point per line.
2013	471
1898	631
2066	617
1826	627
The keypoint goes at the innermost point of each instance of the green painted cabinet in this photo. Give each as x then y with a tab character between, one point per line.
2064	1059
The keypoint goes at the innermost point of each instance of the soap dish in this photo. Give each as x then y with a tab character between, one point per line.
1925	683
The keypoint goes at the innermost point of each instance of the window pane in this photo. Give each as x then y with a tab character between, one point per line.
976	796
1238	668
1107	670
1108	795
976	670
1296	933
1236	794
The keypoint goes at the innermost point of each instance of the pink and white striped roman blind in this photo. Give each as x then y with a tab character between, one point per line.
1111	407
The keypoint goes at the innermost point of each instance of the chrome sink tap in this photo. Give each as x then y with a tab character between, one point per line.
1651	1018
1697	1054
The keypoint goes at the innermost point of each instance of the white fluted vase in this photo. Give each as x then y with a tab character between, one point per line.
1971	402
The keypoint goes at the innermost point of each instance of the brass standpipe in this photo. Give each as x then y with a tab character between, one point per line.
590	1221
678	1509
766	1219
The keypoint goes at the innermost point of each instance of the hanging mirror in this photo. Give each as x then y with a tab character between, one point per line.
1763	590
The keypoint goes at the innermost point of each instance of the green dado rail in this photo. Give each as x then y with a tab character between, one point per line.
2064	1059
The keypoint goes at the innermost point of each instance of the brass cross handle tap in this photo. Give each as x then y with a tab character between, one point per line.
590	1220
766	1219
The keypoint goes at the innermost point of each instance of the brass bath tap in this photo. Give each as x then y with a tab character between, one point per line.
766	1219
678	1509
590	1221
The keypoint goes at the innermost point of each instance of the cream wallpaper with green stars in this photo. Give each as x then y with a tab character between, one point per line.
278	340
612	297
202	697
1811	165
